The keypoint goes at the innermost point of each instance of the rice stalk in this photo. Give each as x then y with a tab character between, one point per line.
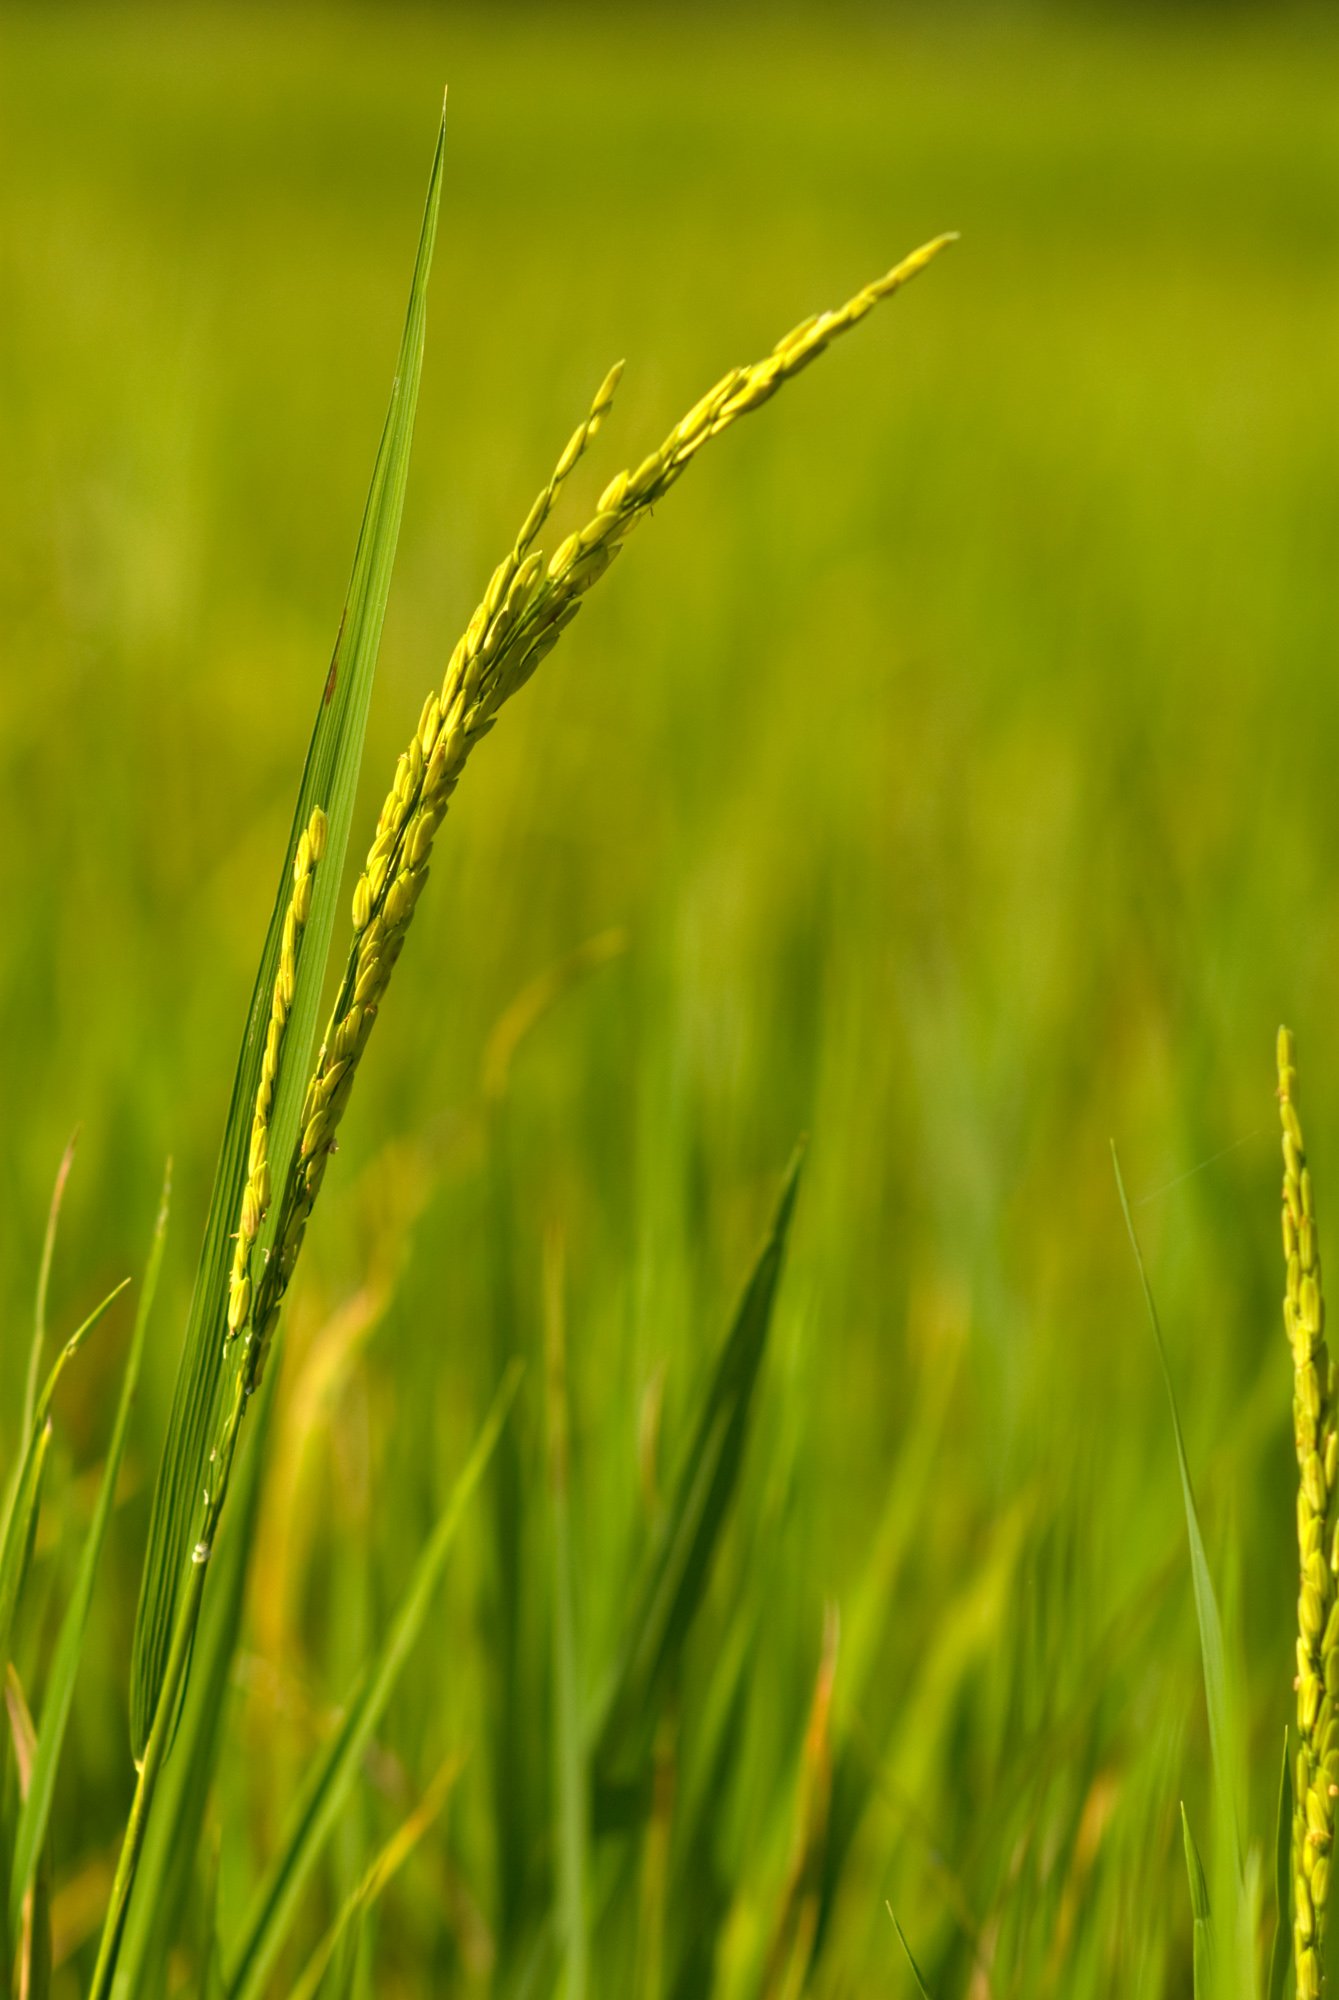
524	611
256	1194
255	1202
329	780
1317	1440
794	1942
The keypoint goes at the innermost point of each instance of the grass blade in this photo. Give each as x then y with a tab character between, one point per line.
20	1530
69	1645
32	1960
570	1757
1280	1956
1199	1905
329	780
921	1986
1206	1603
21	1520
795	1937
672	1589
276	1902
44	1285
167	1873
364	1896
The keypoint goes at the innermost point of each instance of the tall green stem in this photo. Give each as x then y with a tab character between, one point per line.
169	1701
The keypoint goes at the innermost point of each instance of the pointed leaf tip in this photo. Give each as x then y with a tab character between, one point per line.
329	781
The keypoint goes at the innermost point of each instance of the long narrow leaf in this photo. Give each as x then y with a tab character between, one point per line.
673	1586
329	780
32	1966
20	1530
168	1866
921	1987
1206	1603
570	1774
16	1541
1280	1955
44	1285
365	1893
1202	1962
69	1645
276	1902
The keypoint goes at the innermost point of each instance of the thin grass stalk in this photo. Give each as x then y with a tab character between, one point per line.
570	1773
1317	1440
44	1284
525	610
174	1687
174	1681
246	1375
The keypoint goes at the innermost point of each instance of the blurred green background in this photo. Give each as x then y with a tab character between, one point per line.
956	753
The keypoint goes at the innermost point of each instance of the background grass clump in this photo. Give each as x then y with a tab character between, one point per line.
953	769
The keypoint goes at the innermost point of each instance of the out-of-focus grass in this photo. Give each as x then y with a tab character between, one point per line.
957	751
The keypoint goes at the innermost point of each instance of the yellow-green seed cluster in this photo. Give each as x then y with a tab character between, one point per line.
524	611
1314	1401
256	1195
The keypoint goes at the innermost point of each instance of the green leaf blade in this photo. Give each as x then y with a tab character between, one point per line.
69	1645
570	1751
1203	1957
675	1580
1212	1648
914	1969
166	1877
329	780
20	1526
275	1905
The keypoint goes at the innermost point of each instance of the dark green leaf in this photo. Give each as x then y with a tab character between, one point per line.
676	1577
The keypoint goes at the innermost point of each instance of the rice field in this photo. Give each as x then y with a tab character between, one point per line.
941	778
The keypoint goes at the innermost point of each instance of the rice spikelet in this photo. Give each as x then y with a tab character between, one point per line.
256	1194
1314	1400
528	604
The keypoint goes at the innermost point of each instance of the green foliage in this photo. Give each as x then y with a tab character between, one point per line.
20	1517
70	1641
323	1796
1212	1650
1200	1913
169	1865
955	755
679	1566
570	1778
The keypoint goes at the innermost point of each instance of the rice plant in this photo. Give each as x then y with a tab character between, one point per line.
931	783
289	1097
